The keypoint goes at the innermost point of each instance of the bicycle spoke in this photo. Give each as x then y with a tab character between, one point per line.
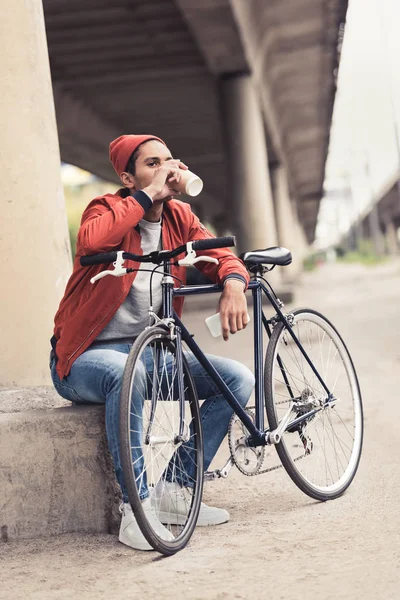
332	436
160	461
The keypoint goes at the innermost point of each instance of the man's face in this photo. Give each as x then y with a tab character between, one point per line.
152	155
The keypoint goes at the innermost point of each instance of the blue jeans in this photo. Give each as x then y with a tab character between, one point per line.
96	376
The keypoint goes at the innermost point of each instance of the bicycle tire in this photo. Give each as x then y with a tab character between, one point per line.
152	338
331	444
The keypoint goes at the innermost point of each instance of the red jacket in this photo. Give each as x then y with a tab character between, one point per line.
108	223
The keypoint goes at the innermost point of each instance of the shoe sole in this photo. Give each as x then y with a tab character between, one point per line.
144	545
173	519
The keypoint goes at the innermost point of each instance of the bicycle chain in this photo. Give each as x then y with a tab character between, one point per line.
275	468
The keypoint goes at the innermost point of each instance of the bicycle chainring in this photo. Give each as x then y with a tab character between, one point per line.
248	460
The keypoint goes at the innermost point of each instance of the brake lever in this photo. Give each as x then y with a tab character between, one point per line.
189	261
118	270
191	258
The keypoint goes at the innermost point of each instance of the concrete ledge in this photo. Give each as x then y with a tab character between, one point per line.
56	474
22	399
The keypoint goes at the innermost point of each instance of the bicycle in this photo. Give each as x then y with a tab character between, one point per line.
315	418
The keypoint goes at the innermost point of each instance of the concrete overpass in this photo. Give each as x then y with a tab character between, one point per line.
181	68
242	90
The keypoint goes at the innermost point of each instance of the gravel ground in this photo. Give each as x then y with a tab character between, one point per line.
278	542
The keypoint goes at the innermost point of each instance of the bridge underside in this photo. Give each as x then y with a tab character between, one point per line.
128	66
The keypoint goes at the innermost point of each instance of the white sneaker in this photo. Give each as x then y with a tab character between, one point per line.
172	502
129	531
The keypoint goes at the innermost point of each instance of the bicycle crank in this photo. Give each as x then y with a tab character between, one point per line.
248	460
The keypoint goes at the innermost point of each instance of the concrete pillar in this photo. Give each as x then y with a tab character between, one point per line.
251	195
34	242
375	230
392	243
300	241
289	233
283	207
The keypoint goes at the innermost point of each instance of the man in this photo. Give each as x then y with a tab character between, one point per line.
96	325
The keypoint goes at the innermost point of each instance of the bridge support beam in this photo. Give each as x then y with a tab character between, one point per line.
392	242
252	200
34	241
375	230
289	231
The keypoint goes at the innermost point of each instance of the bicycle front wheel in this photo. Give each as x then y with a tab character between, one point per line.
161	440
322	453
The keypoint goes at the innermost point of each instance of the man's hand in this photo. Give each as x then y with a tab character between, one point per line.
161	186
233	308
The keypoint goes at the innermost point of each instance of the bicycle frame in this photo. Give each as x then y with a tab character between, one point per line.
259	436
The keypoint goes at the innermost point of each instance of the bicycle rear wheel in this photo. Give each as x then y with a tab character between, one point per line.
161	439
321	454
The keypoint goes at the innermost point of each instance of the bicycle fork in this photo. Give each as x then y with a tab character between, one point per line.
181	435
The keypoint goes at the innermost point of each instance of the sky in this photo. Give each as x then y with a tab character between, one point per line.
363	152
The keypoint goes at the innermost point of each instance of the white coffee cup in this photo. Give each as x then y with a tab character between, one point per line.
190	183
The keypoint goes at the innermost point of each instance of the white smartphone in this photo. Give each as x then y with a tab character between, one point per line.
214	324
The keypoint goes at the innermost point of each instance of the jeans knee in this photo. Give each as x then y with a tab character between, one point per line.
245	382
112	378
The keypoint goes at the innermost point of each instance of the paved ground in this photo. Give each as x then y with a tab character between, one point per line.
279	543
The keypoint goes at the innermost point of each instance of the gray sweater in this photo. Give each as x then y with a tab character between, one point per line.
132	316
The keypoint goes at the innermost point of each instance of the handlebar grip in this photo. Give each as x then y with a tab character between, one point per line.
98	259
209	244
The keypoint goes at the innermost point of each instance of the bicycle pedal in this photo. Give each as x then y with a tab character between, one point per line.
211	475
307	444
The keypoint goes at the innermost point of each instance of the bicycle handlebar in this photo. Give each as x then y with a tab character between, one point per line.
98	259
158	256
211	243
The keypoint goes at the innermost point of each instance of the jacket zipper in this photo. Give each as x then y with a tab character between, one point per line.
94	329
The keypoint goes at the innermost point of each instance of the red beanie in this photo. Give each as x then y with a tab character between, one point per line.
121	149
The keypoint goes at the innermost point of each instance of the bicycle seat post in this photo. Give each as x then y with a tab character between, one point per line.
258	357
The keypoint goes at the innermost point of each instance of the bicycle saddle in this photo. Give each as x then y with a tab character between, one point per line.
270	256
